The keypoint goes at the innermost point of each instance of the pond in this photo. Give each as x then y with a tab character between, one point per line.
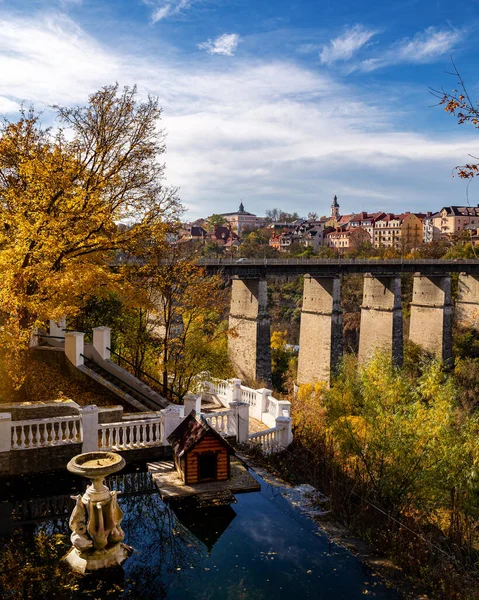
258	548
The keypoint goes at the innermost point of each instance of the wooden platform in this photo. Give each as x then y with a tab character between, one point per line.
171	487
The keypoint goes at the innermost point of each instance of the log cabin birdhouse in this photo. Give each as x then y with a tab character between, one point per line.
200	453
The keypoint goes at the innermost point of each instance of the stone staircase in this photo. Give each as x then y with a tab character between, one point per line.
137	399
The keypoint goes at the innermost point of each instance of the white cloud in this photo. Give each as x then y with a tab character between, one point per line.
8	106
163	9
225	44
271	132
346	45
426	46
51	59
308	48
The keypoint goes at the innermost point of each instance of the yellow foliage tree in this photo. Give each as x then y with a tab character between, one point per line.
70	199
185	309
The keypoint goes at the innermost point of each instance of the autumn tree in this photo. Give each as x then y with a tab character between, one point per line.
71	197
185	311
391	446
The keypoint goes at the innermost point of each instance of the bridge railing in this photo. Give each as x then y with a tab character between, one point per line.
332	261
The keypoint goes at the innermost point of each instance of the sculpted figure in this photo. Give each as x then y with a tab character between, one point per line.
115	517
78	525
96	525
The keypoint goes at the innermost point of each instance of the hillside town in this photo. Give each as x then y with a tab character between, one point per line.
288	233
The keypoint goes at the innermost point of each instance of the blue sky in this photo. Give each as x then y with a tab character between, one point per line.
278	104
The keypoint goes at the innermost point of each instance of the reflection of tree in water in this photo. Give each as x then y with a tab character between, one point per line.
165	550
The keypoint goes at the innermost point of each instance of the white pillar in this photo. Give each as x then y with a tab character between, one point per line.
101	341
5	432
284	408
89	417
192	402
241	418
57	328
286	434
264	394
233	393
74	347
171	418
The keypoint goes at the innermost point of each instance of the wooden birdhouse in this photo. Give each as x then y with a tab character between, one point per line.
201	455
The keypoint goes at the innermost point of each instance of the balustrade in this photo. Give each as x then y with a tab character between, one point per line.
220	387
143	433
222	422
129	435
43	433
249	395
269	439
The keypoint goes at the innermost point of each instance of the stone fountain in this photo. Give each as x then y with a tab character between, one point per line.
95	521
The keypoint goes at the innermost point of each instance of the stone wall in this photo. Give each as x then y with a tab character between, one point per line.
23	462
56	458
22	411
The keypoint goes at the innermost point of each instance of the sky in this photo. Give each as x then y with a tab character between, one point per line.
277	104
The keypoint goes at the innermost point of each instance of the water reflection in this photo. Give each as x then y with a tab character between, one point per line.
260	548
207	525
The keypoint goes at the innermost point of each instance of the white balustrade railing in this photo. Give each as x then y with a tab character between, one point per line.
249	395
43	433
219	387
142	433
269	439
222	422
131	435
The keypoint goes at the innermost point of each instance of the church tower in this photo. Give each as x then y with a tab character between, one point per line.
335	208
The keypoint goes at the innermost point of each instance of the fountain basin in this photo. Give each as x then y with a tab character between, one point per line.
96	465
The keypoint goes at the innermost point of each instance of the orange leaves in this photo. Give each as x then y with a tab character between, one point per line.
460	105
69	202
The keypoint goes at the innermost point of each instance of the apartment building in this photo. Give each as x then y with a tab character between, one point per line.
345	238
450	221
367	221
401	232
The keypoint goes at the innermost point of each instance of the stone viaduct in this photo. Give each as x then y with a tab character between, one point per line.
321	336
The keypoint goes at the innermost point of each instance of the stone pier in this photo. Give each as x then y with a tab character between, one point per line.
249	345
321	332
381	318
467	303
431	315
